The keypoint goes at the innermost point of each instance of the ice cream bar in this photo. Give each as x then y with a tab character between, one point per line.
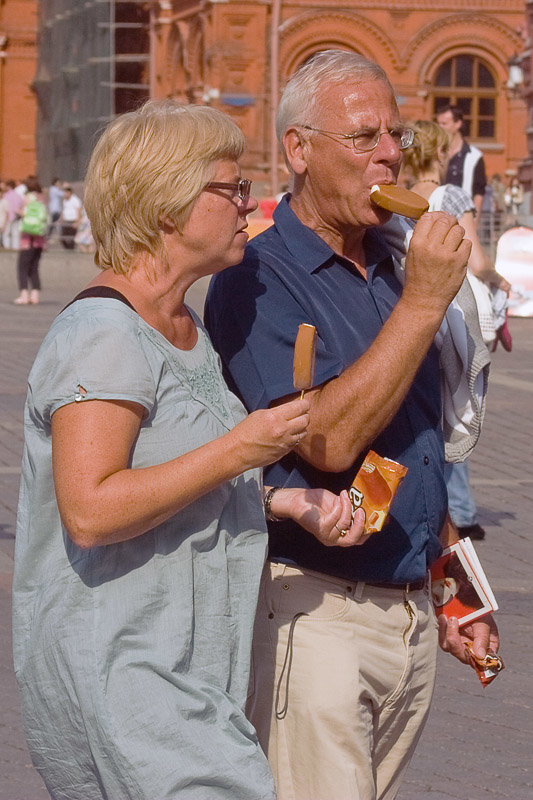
304	357
401	201
374	487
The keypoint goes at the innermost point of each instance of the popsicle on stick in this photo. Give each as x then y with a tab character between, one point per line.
304	357
401	201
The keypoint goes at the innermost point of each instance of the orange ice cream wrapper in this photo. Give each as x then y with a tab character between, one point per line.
486	668
374	487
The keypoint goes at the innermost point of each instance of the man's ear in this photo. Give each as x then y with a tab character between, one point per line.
295	146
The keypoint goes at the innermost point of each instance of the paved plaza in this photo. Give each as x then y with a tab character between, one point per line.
478	742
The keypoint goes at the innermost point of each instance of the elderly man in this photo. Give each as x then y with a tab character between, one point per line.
346	639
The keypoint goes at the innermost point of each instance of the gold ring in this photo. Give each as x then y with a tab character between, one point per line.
342	532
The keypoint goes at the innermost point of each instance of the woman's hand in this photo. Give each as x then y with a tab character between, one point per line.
324	514
479	263
502	283
267	435
102	500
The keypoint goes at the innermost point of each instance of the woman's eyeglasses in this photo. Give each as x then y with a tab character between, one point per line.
242	187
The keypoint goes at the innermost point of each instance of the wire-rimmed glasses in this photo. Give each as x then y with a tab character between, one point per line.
365	140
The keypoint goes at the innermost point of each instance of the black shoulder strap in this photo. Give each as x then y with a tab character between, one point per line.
100	291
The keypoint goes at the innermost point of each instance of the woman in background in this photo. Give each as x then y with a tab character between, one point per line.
513	198
426	163
32	243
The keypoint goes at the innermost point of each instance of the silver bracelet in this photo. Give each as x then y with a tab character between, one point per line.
266	504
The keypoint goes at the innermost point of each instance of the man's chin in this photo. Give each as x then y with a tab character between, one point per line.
381	215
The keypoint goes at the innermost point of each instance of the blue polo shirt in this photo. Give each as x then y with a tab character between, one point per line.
290	275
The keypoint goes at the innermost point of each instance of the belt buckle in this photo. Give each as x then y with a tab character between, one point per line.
417	586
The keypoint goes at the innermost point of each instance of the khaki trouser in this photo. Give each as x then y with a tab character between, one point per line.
342	679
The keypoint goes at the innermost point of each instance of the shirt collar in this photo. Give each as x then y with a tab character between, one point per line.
310	250
303	243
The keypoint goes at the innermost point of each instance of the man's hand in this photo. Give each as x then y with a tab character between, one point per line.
324	514
483	634
436	261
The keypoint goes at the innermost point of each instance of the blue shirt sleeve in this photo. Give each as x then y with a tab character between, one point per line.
256	340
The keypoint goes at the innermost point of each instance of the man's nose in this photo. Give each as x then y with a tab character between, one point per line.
388	148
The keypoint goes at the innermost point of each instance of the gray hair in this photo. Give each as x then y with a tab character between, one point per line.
299	99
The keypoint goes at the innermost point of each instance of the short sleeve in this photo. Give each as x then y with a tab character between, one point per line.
91	353
253	327
479	180
456	201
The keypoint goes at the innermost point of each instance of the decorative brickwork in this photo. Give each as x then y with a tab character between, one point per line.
409	40
18	33
220	52
526	63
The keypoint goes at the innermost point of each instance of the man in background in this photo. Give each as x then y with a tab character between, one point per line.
70	217
466	167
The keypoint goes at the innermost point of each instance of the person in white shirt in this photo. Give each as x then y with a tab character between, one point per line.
70	217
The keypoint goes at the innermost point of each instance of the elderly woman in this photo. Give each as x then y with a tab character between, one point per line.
141	533
426	161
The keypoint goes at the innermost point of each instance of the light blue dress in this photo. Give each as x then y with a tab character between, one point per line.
133	658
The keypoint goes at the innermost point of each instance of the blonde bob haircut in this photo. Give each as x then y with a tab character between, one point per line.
149	166
429	139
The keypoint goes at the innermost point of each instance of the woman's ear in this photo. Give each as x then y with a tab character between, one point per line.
167	225
295	146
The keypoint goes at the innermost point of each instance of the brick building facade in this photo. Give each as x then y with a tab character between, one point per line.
225	52
237	55
93	63
525	62
18	54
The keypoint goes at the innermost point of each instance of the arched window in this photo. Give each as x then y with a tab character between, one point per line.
467	82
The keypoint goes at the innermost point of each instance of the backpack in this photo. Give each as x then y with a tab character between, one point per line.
35	218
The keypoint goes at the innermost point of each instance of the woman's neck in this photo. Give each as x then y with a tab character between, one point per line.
426	183
157	299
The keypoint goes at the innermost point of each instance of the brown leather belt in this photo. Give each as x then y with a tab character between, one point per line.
412	586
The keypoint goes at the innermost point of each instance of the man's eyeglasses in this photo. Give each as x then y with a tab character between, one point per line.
242	187
364	141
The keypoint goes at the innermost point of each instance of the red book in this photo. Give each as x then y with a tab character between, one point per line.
459	587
